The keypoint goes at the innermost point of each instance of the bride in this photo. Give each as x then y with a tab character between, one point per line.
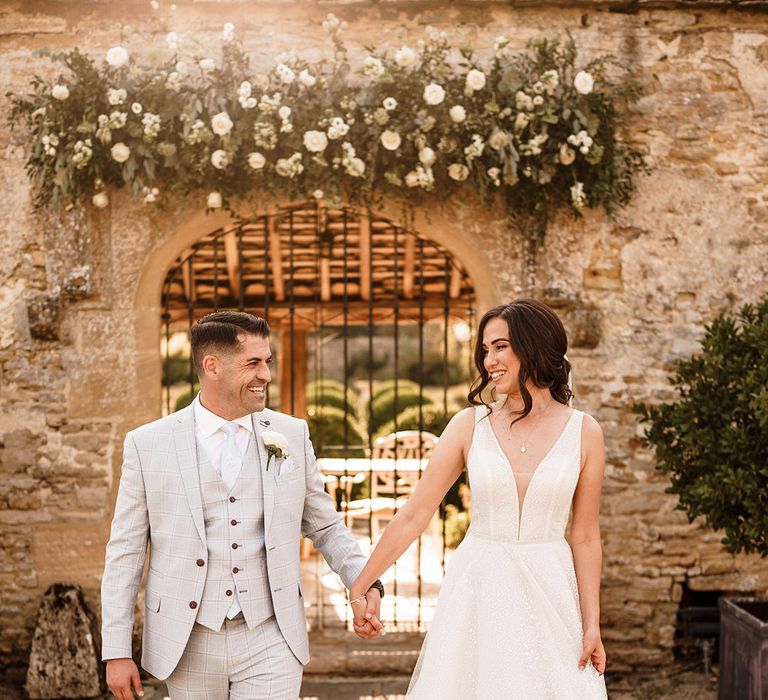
518	612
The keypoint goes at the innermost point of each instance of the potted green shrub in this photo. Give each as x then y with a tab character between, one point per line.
713	443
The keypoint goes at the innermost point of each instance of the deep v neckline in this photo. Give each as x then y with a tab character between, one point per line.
522	501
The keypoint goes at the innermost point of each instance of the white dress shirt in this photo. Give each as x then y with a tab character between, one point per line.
210	435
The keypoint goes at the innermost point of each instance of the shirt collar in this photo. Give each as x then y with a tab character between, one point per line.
208	422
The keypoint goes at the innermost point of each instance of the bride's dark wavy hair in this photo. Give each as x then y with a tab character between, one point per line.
538	338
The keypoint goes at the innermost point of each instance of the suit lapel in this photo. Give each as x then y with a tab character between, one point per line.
263	422
186	456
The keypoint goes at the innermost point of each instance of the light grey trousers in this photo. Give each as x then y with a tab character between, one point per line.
236	663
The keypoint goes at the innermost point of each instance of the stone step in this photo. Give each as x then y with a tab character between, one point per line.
360	688
340	653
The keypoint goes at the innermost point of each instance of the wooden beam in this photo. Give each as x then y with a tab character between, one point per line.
455	289
233	263
188	276
365	257
325	279
276	258
409	265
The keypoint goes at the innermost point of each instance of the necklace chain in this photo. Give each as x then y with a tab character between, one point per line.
524	439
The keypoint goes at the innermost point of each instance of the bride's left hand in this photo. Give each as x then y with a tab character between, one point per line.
594	651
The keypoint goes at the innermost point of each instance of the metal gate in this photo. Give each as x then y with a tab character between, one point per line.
372	334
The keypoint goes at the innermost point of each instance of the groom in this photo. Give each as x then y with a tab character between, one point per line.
222	491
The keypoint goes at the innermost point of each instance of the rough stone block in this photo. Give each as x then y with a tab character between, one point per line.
585	327
43	311
64	662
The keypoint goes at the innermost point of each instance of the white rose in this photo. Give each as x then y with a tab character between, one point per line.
284	112
221	124
391	140
476	79
583	82
207	64
250	103
499	139
390	104
100	200
274	439
412	179
120	152
427	156
117	56
214	200
136	108
219	159
457	113
116	97
458	171
405	57
567	154
306	78
256	160
434	94
315	141
285	73
356	167
60	92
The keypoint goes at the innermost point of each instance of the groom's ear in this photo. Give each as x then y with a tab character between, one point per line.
212	368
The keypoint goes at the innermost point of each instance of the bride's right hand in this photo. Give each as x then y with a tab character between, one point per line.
594	651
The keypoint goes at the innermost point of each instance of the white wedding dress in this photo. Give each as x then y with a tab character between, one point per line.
508	623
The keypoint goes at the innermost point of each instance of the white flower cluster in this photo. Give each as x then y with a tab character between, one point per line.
150	194
337	128
578	196
289	167
117	120
353	165
332	24
533	146
116	96
373	67
198	133
83	150
286	126
285	74
475	149
550	80
264	135
523	101
50	141
494	175
174	81
420	177
228	33
583	141
245	95
151	123
117	57
405	57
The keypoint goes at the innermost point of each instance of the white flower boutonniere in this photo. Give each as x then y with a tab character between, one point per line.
276	444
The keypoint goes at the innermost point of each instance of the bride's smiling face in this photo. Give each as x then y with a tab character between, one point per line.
499	360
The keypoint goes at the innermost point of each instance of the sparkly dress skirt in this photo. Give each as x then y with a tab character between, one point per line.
507	625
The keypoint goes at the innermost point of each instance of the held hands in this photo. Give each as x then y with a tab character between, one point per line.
123	679
366	611
594	651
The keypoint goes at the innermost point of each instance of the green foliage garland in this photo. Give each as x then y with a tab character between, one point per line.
528	126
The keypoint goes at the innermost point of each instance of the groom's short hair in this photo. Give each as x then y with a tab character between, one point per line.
222	331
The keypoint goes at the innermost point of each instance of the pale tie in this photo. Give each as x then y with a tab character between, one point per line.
231	460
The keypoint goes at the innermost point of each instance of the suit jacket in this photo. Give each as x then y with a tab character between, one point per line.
159	503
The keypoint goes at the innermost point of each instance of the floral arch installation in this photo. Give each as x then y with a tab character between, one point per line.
333	281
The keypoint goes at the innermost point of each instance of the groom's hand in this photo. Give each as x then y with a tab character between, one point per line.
123	679
366	616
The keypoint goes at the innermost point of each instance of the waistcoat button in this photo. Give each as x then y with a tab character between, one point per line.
234	545
232	499
233	522
200	562
235	570
192	604
228	592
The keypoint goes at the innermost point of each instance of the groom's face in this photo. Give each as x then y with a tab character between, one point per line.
245	375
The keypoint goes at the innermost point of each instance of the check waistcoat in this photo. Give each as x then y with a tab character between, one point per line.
239	546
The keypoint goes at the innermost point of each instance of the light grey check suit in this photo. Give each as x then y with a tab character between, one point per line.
159	502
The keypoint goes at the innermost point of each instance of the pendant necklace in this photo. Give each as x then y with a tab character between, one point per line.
523	448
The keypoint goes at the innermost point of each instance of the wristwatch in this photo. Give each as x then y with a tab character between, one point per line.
379	586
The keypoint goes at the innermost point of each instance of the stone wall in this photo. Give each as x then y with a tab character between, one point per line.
79	332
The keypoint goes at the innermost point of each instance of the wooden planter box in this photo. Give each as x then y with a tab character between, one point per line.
743	650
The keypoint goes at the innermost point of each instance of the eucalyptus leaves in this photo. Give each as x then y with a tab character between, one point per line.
403	121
